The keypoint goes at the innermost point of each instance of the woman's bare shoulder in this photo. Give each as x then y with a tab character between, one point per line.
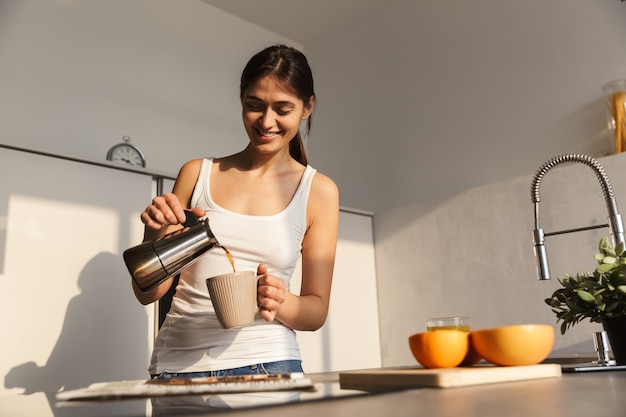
324	190
186	180
192	166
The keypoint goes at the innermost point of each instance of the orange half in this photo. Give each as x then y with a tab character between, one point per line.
525	344
440	348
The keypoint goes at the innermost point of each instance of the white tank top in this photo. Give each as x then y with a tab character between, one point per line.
191	339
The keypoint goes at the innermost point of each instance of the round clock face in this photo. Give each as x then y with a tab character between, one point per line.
128	154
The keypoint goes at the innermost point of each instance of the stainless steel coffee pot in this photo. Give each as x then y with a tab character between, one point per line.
152	262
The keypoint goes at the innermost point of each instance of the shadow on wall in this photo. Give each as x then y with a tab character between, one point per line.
92	324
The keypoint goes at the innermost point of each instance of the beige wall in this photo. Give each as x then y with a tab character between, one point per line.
428	85
424	99
472	254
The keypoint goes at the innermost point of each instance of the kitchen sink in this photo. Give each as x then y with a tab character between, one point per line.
581	363
571	359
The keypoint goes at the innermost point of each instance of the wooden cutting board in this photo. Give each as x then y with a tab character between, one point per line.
413	377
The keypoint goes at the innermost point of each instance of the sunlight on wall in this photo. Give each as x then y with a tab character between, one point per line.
60	238
64	259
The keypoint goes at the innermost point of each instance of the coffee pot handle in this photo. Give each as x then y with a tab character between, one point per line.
191	219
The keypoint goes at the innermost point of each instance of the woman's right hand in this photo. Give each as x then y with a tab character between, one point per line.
165	211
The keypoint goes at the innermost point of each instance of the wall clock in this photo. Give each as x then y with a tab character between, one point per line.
127	153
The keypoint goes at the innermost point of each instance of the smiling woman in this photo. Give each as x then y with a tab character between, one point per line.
269	208
272	117
278	83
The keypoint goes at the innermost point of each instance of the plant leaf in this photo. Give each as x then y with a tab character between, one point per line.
609	260
585	296
605	247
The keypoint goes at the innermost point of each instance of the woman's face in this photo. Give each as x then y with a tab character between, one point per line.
272	115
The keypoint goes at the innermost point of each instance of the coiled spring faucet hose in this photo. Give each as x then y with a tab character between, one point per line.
615	219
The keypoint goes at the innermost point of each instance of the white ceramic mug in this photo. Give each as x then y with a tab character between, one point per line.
234	298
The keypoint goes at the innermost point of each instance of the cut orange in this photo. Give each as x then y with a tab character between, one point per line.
440	348
517	345
472	356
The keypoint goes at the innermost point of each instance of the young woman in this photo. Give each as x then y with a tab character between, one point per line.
268	207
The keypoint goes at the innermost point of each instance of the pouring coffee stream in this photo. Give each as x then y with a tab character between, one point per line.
152	262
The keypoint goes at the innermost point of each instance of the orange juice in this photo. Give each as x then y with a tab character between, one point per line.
463	327
448	323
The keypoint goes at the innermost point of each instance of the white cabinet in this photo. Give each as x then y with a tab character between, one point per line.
350	338
68	312
69	315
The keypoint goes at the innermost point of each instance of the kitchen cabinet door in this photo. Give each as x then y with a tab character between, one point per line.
69	315
350	338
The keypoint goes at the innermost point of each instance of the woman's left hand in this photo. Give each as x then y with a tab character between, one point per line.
271	293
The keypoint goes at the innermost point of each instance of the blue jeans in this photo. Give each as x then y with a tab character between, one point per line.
279	367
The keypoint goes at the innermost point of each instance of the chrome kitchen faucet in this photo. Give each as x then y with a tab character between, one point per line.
615	219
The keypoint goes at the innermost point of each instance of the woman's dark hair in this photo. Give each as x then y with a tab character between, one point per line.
288	66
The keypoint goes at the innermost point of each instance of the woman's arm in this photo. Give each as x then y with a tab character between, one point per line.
166	214
308	311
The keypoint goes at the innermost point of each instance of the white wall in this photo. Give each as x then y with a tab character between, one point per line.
429	98
472	254
76	76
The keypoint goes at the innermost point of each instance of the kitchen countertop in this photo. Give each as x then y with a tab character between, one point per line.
572	395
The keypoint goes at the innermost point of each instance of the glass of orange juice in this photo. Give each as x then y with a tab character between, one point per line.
448	323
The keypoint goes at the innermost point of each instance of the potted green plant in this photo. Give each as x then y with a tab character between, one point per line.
599	297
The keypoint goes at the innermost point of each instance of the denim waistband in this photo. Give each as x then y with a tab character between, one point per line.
278	367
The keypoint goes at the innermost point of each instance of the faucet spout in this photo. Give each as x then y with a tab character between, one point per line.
615	219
